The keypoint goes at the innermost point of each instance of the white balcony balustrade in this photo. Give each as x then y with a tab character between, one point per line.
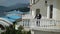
43	23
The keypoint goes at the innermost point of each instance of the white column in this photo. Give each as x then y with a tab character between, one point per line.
48	11
33	13
32	1
54	9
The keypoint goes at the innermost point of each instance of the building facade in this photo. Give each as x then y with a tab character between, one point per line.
48	8
50	21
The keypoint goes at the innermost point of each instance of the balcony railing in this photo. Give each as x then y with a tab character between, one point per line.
27	16
45	23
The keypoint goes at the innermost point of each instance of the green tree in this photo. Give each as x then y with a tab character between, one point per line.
11	30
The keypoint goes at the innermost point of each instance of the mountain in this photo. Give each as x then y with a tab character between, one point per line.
18	6
15	6
3	8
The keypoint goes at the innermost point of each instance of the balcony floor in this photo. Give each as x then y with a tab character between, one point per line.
52	28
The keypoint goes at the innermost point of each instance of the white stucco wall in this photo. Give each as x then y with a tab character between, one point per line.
58	10
44	9
45	32
40	5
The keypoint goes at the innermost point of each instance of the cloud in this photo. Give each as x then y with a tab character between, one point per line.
11	2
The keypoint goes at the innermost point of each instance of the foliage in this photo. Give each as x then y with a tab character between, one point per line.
9	30
12	30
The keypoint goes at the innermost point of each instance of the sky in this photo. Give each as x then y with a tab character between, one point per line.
12	2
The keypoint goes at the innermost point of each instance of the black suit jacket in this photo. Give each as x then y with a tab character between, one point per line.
38	16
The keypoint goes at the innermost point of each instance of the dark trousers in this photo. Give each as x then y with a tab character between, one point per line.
38	22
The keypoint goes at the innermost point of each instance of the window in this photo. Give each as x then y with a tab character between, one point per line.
51	11
37	11
33	1
45	2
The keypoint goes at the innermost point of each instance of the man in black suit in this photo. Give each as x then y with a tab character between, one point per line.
38	16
